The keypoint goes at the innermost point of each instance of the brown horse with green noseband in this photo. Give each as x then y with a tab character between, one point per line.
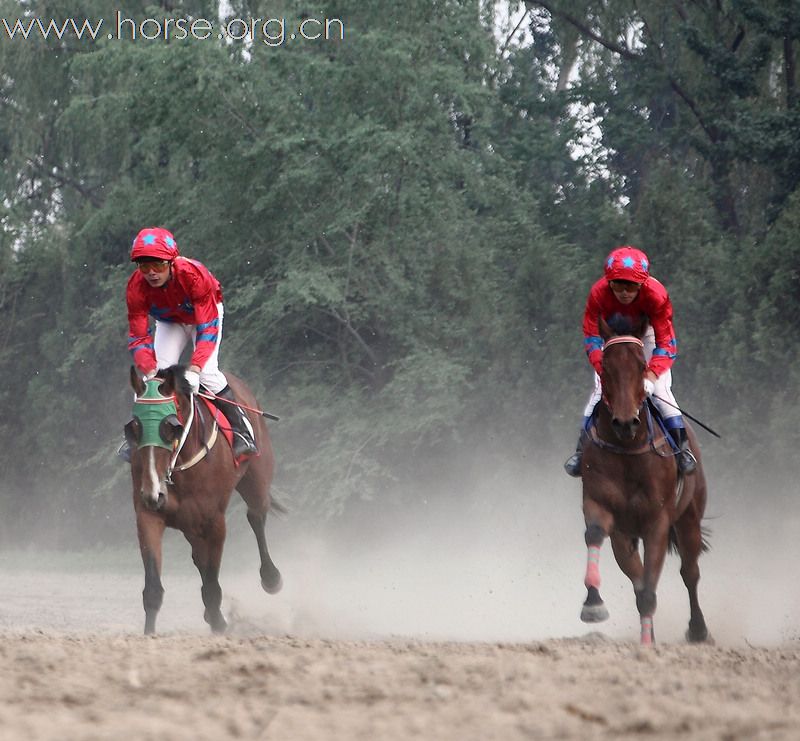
183	476
631	491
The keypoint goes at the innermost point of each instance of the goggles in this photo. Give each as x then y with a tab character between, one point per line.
155	266
627	286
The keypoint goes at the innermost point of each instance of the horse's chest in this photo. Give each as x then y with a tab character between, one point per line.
635	508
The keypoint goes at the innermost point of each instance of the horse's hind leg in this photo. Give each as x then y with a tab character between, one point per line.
150	529
207	556
254	489
690	545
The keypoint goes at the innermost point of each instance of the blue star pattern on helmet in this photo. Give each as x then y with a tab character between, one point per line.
645	264
149	239
610	262
170	241
628	262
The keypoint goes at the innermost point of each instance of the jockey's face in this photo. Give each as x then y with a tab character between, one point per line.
625	291
155	272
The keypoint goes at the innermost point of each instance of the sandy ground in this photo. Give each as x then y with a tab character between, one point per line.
195	687
430	627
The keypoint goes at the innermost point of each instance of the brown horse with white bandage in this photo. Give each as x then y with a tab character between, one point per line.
183	475
632	491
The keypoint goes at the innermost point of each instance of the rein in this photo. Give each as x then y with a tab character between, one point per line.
200	454
647	447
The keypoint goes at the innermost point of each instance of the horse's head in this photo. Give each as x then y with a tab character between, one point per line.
153	434
623	376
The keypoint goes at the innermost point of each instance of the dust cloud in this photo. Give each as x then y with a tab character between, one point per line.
499	560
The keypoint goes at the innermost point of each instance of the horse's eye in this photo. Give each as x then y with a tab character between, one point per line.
133	431
170	428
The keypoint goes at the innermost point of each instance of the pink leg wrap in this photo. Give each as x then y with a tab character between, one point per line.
647	630
592	578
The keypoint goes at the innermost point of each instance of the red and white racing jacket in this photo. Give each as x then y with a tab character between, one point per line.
652	301
190	296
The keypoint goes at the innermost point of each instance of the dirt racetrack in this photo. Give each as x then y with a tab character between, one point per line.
197	687
430	628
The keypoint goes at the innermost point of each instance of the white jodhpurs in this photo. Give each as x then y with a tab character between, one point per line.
169	341
663	389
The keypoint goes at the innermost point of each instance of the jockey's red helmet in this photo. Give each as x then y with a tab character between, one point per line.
156	243
627	263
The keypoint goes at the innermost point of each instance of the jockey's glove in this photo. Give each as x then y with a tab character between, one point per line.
193	379
649	387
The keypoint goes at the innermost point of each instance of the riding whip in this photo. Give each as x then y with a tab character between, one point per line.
268	415
686	414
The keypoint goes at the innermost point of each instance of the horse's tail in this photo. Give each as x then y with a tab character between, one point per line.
705	534
672	543
275	507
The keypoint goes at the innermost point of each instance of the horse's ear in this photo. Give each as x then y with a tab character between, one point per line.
136	381
605	329
167	388
640	326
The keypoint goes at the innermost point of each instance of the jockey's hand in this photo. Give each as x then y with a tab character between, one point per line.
150	374
193	379
649	386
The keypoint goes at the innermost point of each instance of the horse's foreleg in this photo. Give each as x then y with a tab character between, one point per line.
207	556
655	550
150	529
593	610
690	545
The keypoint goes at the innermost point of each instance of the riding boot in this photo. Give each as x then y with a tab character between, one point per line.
243	440
573	465
687	463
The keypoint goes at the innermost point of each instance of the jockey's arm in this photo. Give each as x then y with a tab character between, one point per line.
207	326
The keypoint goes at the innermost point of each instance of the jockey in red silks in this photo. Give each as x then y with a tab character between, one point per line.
185	300
625	293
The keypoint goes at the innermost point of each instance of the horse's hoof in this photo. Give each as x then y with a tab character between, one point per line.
272	586
216	621
594	613
699	636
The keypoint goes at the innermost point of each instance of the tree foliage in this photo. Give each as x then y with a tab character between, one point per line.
405	222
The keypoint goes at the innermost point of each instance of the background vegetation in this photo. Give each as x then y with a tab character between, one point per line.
405	222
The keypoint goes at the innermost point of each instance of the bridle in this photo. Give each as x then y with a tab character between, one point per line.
620	340
650	445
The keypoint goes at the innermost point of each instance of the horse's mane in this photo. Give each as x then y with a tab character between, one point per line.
621	325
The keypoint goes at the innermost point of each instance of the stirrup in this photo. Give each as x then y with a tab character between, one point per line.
242	446
573	465
124	451
687	463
